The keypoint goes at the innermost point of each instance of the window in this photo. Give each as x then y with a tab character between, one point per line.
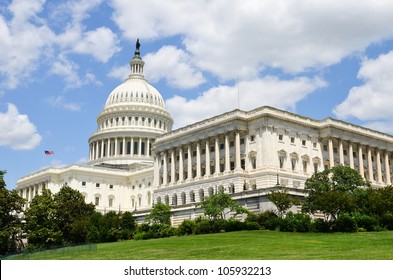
110	202
314	145
231	143
354	154
281	159
335	150
345	152
83	184
280	137
241	141
221	146
97	185
97	201
252	138
304	166
315	167
292	140
293	163
111	186
303	142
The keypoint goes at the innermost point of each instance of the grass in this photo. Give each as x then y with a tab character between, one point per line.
246	245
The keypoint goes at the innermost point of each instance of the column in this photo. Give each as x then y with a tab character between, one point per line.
108	148
132	146
102	148
350	148
379	169
173	166
189	163
156	180
165	170
217	155
147	147
247	152
227	156
198	159
341	151
370	165
331	155
207	158
181	165
387	168
140	147
116	146
361	167
237	152
124	146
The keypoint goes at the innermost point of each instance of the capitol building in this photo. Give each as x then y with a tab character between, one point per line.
137	160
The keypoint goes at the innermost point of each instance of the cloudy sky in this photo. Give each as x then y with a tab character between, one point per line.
59	61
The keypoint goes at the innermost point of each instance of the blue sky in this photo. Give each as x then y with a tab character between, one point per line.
60	60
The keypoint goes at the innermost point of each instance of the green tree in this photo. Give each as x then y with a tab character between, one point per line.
159	214
216	206
334	191
41	225
11	206
72	214
282	200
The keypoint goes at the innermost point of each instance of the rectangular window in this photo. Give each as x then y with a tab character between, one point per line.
345	152
292	140
252	138
280	137
303	142
97	201
111	186
221	146
241	141
315	167
110	203
83	184
325	148
231	143
97	185
281	162
354	154
335	150
314	145
293	163
305	166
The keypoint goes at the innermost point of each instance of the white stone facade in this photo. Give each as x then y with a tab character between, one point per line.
136	160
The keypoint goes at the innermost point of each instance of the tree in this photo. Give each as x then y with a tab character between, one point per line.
282	200
334	191
41	225
72	214
159	214
11	206
218	205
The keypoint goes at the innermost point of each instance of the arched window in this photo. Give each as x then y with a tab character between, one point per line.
201	195
167	199
183	198
174	199
192	196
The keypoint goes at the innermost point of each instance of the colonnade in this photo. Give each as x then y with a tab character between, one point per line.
120	146
222	153
30	192
373	163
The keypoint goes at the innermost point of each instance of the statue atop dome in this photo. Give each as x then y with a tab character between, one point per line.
137	45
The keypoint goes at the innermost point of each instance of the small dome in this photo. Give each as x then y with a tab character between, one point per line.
135	90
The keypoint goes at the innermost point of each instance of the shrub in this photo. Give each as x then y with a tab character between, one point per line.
203	227
251	226
264	220
187	227
387	220
345	223
233	225
320	225
366	222
302	222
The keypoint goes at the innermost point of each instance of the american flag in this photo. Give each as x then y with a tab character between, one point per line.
48	153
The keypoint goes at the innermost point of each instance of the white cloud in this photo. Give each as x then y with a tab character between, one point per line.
28	42
60	102
16	130
120	73
175	66
254	93
69	71
230	38
100	43
373	100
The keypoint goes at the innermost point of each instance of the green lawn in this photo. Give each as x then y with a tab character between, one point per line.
252	245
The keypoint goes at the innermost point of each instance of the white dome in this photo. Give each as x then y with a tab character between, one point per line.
136	91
